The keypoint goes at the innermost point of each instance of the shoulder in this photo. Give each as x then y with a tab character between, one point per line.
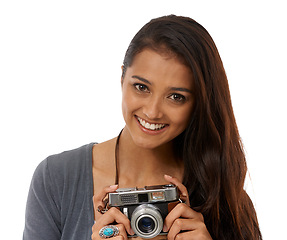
60	194
65	166
71	158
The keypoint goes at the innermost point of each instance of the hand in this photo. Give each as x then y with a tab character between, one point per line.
111	216
183	222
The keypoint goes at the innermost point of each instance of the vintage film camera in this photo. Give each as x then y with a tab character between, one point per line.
146	207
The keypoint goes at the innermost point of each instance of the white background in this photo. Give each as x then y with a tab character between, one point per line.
60	87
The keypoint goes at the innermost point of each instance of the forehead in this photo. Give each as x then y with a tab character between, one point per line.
161	66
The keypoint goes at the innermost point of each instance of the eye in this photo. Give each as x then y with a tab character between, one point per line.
178	98
141	87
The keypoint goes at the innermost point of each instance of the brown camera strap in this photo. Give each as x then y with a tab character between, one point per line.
116	158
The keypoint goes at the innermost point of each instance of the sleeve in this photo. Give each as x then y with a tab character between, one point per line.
43	218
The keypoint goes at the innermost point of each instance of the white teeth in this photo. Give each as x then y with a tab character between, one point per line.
150	126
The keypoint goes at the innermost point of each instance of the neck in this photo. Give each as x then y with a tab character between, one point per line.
145	166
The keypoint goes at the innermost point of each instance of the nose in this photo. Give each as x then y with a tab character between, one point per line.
153	108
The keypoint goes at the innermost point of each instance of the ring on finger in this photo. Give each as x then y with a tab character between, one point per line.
109	231
104	209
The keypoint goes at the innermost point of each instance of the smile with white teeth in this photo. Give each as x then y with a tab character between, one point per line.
150	126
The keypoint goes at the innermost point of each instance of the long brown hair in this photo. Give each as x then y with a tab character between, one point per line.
211	148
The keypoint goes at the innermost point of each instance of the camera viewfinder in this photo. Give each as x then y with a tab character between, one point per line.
143	197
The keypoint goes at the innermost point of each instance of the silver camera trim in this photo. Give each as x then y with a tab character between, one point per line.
169	191
147	210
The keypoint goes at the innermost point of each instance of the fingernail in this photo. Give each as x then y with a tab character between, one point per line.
114	186
167	176
132	232
164	229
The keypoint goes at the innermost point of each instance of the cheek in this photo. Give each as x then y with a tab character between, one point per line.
128	103
124	106
181	117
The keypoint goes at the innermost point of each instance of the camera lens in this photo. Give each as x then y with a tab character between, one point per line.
146	225
146	221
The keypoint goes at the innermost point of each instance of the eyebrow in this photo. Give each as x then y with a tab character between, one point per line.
181	89
172	88
142	79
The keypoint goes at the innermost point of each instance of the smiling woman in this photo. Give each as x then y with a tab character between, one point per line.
180	132
157	98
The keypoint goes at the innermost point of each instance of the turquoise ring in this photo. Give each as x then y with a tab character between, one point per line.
109	231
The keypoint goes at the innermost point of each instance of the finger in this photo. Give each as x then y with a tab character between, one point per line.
123	231
98	199
187	235
121	235
181	210
181	224
114	215
181	188
196	234
102	195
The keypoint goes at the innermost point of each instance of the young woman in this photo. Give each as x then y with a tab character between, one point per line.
180	129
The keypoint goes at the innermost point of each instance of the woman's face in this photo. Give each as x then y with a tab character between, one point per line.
157	98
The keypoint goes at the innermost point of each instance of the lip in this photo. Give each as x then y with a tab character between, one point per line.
151	132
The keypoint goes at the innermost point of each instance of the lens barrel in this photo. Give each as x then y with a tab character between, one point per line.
146	221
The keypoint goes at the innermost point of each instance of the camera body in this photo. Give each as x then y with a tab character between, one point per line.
146	207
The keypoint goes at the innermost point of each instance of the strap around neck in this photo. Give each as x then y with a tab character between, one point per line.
116	158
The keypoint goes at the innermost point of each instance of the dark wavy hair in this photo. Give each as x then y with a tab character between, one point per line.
211	148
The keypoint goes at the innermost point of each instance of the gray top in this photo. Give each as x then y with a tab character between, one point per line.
60	202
